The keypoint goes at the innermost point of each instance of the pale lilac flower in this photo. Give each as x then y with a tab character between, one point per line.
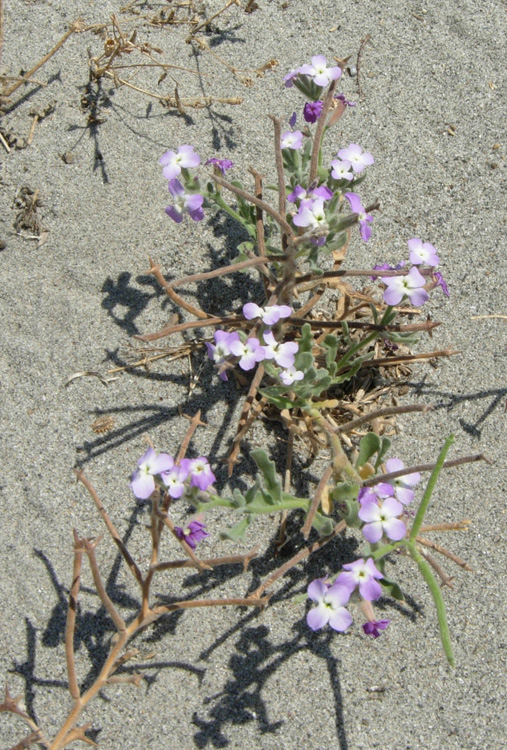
372	628
299	193
311	214
377	492
199	471
362	574
363	218
341	169
221	164
292	139
174	479
143	478
312	111
290	375
358	158
410	286
195	532
440	281
402	485
330	607
289	78
191	202
173	162
320	72
270	314
249	353
283	354
422	252
219	351
382	519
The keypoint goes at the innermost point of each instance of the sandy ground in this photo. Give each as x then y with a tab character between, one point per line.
433	112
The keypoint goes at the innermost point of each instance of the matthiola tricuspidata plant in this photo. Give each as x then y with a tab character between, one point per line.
307	360
321	347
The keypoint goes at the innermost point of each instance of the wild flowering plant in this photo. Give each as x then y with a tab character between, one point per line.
304	361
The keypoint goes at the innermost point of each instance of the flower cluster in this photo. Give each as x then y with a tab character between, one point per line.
331	598
187	197
232	348
411	285
382	505
177	478
380	508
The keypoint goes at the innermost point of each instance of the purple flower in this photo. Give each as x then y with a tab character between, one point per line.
378	492
341	169
362	574
355	155
283	354
440	281
173	162
221	164
422	252
403	485
200	472
292	120
195	532
320	72
363	218
372	628
191	202
290	374
174	479
382	519
270	314
292	139
312	111
319	241
410	286
387	267
299	193
143	482
249	353
330	607
341	97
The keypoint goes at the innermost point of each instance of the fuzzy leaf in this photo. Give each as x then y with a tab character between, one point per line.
368	446
331	344
275	396
236	532
391	588
322	525
271	479
385	444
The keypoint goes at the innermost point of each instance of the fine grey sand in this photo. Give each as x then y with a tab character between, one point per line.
433	112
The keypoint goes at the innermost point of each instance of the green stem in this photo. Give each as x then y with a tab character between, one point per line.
429	488
386	315
217	198
353	349
290	503
437	598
